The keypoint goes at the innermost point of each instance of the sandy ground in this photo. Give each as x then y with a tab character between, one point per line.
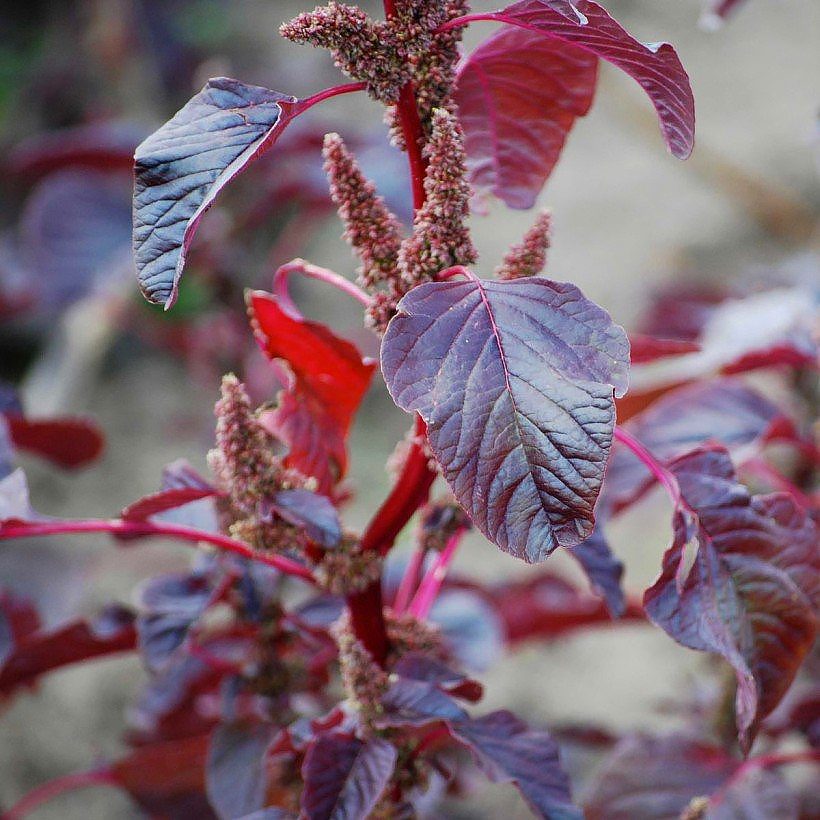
626	216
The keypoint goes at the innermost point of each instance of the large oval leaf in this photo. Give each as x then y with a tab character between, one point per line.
518	95
182	167
515	381
655	67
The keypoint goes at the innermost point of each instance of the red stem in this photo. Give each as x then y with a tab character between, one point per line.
280	282
321	96
54	788
413	485
429	588
125	528
466	19
664	476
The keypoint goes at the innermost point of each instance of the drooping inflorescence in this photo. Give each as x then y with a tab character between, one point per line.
370	228
529	257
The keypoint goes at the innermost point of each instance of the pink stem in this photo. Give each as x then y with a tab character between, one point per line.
321	96
466	19
410	580
664	476
124	528
430	586
765	762
54	788
280	282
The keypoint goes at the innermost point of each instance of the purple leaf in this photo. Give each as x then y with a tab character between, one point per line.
753	589
313	512
507	750
180	474
344	777
724	410
182	167
655	778
755	793
416	703
74	234
603	569
419	667
518	95
235	780
655	67
168	606
515	381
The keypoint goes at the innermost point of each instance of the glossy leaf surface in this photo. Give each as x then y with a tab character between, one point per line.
330	378
182	167
753	590
344	776
518	95
655	67
515	381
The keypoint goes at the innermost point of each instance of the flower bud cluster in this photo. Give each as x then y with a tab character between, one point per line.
380	53
440	237
528	258
433	71
346	569
370	228
438	522
247	471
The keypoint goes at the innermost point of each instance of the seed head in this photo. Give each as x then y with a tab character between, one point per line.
528	258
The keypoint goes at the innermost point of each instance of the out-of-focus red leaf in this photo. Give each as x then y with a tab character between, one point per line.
18	620
167	779
774	327
518	95
37	653
107	146
546	606
656	67
753	590
680	310
329	380
644	348
68	442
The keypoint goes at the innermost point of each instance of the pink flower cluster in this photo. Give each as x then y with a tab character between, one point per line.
530	257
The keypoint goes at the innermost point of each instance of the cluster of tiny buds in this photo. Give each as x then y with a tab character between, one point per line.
530	257
365	682
378	53
346	568
247	472
440	237
438	522
370	228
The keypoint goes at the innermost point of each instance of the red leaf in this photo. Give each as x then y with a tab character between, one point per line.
655	67
40	652
753	590
67	442
18	620
518	95
648	348
165	500
330	378
167	779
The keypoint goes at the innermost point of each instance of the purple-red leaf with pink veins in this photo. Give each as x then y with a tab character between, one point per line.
753	591
515	381
182	167
518	95
344	776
